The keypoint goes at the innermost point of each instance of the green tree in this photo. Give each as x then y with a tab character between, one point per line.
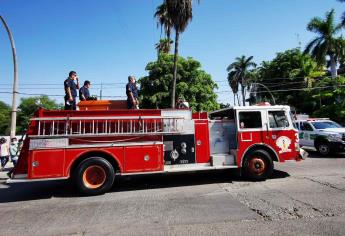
331	99
5	118
163	46
28	106
180	13
325	44
240	71
194	84
288	77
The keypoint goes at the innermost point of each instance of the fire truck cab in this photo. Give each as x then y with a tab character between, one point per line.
92	147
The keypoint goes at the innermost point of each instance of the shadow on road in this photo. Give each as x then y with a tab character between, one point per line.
63	189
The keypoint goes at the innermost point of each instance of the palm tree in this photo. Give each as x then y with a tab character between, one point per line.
163	46
240	69
163	19
325	44
180	14
233	83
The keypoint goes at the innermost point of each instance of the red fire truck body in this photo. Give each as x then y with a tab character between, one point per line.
93	146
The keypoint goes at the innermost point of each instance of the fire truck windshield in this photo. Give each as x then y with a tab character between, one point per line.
278	119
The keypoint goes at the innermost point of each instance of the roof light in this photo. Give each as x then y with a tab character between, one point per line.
263	104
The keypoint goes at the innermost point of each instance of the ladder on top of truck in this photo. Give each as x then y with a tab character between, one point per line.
89	126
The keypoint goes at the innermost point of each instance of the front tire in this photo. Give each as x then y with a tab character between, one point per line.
94	176
324	149
258	165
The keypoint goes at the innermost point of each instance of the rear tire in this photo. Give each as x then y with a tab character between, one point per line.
94	176
258	165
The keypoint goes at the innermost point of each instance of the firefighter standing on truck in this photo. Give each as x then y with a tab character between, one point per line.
132	93
71	91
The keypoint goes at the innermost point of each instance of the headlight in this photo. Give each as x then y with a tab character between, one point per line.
297	147
335	137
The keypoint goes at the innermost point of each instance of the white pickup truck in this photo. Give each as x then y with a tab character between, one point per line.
323	134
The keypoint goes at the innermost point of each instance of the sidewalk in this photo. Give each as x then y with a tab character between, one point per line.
3	174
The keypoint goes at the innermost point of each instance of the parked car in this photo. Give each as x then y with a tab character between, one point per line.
325	135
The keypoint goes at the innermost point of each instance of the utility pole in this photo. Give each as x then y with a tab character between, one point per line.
268	90
101	92
15	80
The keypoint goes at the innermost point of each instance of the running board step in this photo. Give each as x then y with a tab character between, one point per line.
222	159
195	167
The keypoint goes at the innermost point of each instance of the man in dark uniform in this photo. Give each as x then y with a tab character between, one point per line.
132	93
84	93
71	91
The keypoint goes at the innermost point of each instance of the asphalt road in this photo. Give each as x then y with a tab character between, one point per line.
305	198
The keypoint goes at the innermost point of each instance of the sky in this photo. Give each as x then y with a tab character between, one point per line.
107	40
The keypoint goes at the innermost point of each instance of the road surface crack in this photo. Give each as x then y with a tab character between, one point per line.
324	184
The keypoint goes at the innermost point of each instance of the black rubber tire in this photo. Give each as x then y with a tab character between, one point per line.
259	156
101	163
324	149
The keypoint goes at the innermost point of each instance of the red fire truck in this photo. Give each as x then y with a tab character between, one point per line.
92	146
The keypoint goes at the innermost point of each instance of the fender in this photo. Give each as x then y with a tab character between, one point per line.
259	145
85	153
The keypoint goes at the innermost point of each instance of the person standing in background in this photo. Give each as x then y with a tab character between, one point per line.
71	91
4	153
14	150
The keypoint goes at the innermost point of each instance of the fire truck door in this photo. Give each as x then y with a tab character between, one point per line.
279	135
250	128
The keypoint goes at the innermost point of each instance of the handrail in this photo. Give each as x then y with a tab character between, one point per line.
107	118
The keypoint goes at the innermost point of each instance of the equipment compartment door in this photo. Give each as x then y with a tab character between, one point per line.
143	158
179	149
47	163
202	142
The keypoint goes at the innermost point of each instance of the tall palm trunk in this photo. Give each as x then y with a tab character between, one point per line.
238	99
234	99
243	95
334	72
173	92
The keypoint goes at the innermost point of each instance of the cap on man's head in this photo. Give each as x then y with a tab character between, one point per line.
72	73
87	82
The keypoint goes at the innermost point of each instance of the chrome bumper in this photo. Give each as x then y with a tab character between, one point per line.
303	154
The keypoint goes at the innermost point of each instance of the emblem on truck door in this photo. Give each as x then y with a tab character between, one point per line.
283	143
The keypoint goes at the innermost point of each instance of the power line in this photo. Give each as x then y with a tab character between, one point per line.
287	90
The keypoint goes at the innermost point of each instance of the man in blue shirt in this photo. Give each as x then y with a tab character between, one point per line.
84	93
132	93
71	91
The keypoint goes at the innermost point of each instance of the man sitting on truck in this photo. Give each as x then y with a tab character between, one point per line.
84	93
